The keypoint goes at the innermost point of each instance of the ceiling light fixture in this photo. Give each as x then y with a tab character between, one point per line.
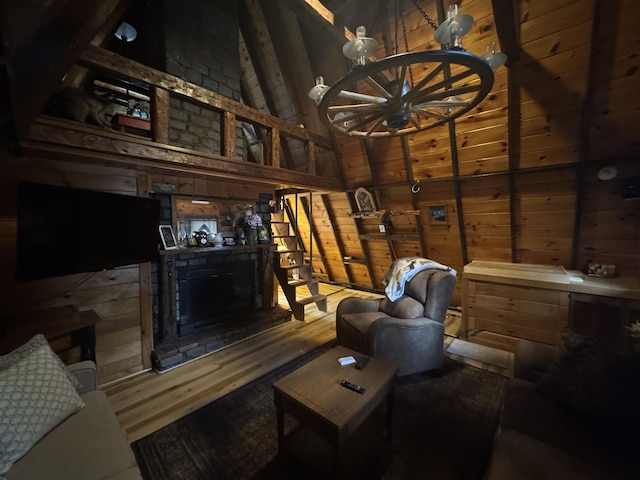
382	98
126	33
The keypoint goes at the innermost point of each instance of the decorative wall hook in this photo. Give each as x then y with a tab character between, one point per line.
415	188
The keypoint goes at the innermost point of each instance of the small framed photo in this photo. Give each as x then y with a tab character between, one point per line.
168	238
438	214
364	200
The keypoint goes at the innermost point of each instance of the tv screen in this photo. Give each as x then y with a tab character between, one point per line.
64	230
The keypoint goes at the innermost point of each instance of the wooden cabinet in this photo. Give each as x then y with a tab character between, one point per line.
503	303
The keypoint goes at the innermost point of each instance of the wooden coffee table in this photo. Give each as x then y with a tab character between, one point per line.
313	395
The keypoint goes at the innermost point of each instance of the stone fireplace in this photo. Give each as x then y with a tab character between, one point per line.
210	297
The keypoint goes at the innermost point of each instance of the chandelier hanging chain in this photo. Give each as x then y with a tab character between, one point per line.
425	15
406	45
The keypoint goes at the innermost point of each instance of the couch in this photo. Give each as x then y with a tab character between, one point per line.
88	443
569	413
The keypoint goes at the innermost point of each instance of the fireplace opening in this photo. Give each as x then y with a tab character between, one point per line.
214	295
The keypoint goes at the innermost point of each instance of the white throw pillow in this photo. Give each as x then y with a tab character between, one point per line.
26	349
35	396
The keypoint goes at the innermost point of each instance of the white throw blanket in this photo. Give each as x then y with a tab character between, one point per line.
403	270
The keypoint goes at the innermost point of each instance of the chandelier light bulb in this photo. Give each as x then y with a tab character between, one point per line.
493	58
360	48
318	90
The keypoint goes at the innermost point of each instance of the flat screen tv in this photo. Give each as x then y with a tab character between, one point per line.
64	230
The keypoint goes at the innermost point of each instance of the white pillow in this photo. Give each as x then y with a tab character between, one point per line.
26	349
35	396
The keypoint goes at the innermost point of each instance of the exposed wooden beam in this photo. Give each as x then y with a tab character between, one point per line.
585	127
284	30
506	19
315	13
37	66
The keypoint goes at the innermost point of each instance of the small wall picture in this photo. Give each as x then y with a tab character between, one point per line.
364	200
438	214
168	238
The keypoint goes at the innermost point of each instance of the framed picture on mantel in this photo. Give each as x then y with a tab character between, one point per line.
168	238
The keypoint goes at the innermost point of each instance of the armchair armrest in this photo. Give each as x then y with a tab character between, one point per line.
87	373
357	305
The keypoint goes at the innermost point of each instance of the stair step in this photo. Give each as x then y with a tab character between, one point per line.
297	283
311	299
293	267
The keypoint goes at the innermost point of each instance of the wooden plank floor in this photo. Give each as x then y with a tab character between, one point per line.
149	401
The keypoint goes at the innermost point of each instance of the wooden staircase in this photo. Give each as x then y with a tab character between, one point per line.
293	268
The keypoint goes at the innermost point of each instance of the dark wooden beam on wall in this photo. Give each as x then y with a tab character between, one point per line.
585	127
337	241
507	26
411	179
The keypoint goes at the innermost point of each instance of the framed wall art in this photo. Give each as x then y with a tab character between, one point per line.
438	214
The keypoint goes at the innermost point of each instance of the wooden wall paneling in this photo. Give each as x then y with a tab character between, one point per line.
487	217
550	207
443	241
340	272
354	162
364	246
414	204
610	225
387	160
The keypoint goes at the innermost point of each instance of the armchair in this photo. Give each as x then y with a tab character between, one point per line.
408	333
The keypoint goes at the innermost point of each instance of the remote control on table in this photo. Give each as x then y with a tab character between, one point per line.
352	386
360	364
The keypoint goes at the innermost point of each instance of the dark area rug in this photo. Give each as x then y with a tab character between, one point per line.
443	426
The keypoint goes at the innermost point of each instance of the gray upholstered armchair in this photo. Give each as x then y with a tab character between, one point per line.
408	333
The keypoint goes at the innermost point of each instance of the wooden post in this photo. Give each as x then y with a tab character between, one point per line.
160	115
275	147
311	156
229	135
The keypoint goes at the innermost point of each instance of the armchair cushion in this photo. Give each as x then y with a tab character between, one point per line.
404	307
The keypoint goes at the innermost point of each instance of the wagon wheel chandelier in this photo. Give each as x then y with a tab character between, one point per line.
381	99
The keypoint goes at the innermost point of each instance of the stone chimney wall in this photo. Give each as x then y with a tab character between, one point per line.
202	46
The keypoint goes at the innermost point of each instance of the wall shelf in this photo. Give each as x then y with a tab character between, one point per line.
380	213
